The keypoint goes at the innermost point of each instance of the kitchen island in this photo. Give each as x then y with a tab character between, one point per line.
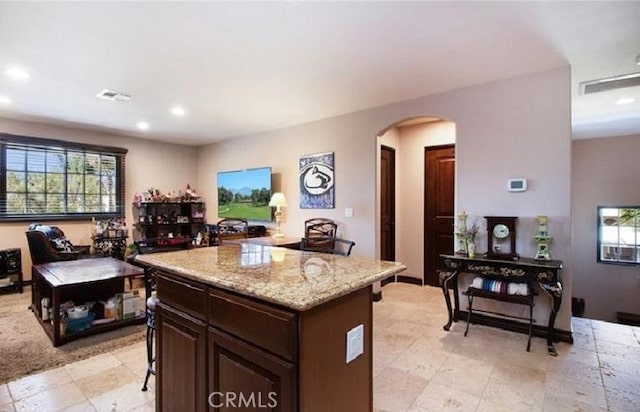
250	327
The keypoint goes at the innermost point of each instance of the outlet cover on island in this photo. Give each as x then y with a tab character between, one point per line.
348	212
355	342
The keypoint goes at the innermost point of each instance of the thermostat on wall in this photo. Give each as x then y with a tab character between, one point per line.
517	185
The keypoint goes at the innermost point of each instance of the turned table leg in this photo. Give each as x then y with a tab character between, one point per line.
555	291
445	278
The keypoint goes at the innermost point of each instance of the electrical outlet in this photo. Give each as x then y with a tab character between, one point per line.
355	343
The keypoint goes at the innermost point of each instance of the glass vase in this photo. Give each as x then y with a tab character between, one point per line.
471	249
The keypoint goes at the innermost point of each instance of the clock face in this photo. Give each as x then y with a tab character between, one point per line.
500	231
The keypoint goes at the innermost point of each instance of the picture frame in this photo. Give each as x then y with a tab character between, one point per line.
317	181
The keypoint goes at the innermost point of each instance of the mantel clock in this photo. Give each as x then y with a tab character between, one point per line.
501	237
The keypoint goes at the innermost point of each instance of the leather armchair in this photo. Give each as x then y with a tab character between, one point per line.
41	240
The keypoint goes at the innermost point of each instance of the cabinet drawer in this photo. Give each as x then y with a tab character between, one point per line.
271	329
190	297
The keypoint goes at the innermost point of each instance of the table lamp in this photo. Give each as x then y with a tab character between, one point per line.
278	201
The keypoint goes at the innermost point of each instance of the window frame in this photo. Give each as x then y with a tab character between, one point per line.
28	142
600	242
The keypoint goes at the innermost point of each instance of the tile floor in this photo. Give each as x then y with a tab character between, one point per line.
417	367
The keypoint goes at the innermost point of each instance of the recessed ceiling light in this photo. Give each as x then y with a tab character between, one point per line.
177	111
626	100
5	100
142	125
17	73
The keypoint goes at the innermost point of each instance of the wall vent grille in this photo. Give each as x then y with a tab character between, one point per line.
610	83
113	95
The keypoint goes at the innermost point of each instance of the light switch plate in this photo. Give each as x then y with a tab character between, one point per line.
348	212
355	343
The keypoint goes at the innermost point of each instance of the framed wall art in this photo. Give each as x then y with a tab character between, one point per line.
316	177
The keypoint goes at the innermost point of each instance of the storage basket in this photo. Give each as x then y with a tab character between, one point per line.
80	324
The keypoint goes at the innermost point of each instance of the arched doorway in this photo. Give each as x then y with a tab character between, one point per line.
416	194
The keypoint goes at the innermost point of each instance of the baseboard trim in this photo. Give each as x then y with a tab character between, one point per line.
402	279
390	279
513	326
409	279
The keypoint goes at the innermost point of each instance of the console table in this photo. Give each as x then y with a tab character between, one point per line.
80	281
545	272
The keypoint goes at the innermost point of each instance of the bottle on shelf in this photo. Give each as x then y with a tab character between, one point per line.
45	305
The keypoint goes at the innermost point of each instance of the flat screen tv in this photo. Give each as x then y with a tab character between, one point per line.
245	194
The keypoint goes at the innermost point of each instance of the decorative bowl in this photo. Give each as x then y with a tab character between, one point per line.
78	312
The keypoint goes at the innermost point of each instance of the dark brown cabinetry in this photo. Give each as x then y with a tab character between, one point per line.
253	355
182	371
172	220
235	367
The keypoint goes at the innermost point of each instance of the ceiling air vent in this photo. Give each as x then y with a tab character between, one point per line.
113	95
610	83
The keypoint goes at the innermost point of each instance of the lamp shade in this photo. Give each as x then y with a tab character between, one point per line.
278	199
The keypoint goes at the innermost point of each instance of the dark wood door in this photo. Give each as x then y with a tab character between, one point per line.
182	344
244	377
387	203
439	194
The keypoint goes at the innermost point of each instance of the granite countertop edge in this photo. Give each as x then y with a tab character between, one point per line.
300	303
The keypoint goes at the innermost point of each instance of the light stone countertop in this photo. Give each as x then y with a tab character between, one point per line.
292	278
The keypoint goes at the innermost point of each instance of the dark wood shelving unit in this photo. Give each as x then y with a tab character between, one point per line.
171	220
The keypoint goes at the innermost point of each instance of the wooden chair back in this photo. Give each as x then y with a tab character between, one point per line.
319	234
334	246
229	229
320	227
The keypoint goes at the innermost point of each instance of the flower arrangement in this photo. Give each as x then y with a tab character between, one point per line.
471	234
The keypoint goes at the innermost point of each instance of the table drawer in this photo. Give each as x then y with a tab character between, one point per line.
190	297
266	327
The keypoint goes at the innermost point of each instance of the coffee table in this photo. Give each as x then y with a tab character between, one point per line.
83	280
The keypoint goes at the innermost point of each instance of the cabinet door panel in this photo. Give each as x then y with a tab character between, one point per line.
244	377
182	369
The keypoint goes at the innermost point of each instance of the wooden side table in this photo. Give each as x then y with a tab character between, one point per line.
80	281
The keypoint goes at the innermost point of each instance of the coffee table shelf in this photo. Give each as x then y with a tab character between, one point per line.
94	329
81	281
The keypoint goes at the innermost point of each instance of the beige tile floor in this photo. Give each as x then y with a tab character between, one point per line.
417	367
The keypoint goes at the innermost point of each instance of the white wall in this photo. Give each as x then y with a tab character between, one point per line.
512	129
410	142
519	127
605	173
354	179
148	164
413	140
391	138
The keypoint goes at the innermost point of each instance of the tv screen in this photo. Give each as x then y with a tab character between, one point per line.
245	194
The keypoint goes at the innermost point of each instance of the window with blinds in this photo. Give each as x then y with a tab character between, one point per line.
44	178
